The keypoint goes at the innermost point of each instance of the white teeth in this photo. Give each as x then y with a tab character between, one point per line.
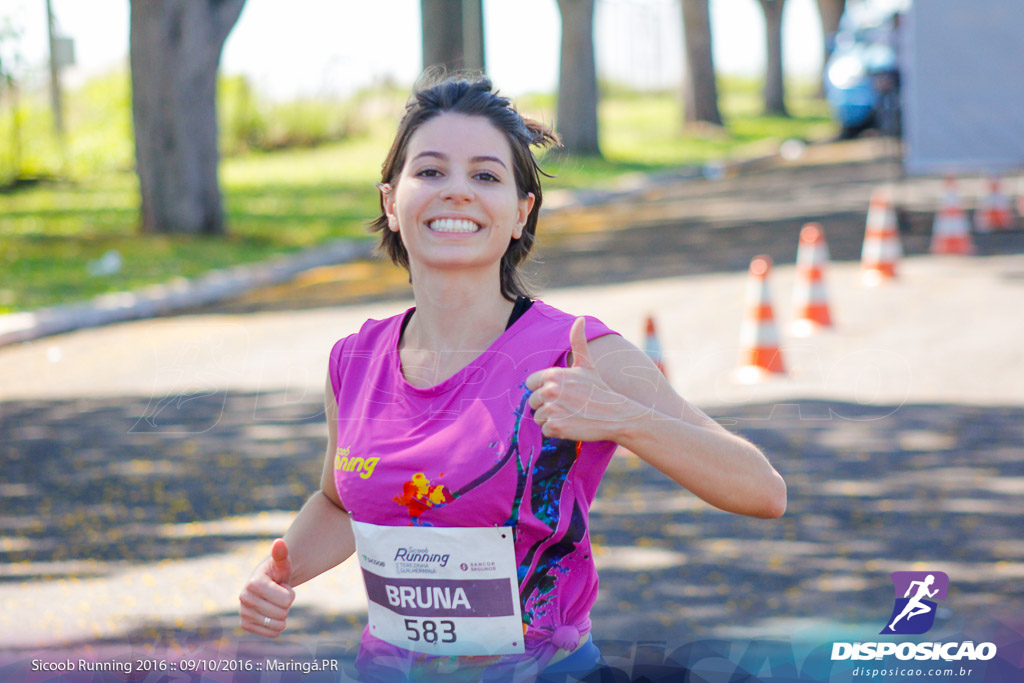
453	225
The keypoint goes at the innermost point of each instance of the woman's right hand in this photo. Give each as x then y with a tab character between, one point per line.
267	596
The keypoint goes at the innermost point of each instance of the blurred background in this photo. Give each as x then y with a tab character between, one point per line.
307	97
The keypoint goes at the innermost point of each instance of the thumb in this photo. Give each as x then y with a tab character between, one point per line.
578	342
280	565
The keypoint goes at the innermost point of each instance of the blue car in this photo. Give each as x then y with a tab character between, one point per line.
862	74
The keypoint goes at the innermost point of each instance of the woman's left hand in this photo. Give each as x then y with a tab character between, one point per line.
575	403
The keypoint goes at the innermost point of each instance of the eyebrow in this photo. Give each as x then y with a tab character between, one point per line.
443	156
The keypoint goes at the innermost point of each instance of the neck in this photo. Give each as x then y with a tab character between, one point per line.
455	311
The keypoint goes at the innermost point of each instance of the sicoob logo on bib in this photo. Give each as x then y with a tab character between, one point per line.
913	611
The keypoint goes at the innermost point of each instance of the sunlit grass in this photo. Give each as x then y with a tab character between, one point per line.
280	201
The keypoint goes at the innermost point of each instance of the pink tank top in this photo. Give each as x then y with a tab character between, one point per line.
467	452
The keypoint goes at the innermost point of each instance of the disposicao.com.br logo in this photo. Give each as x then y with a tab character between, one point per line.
913	613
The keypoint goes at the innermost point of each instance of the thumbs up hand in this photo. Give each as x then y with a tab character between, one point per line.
574	402
267	596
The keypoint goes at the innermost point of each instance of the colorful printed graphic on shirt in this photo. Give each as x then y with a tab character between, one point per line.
550	473
547	479
419	495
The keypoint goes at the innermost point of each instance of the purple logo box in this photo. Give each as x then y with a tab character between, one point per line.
902	580
441	597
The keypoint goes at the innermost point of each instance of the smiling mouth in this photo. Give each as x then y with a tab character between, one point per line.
453	225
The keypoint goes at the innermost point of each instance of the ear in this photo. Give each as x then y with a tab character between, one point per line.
525	207
387	198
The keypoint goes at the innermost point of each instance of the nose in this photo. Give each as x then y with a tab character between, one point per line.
458	188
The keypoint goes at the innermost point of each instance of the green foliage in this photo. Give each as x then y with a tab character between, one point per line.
98	121
99	117
644	132
278	201
100	136
28	146
242	125
249	123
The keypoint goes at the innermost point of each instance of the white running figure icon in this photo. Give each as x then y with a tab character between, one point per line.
915	606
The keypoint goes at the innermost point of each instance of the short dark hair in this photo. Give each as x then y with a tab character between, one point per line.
472	96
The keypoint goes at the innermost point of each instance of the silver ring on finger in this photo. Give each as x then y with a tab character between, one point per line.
266	622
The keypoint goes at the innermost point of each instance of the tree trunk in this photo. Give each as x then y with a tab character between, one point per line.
453	34
700	91
774	84
175	50
576	117
473	34
830	12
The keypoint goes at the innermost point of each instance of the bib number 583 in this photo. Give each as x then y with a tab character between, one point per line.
427	630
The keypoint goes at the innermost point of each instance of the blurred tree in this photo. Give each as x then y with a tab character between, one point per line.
700	91
831	11
175	48
11	61
453	34
10	51
56	89
576	117
774	84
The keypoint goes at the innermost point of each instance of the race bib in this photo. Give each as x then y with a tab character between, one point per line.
442	591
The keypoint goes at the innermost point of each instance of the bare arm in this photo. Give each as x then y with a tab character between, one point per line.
318	539
614	392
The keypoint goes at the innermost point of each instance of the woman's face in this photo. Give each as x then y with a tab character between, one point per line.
455	203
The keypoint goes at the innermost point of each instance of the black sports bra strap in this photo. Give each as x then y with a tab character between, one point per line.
521	306
405	322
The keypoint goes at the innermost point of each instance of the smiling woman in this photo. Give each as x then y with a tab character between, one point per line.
490	419
456	205
474	120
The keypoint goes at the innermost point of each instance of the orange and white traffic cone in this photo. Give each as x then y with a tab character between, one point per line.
760	355
882	249
994	211
652	347
809	297
950	232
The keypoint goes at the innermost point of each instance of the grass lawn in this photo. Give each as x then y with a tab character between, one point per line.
297	198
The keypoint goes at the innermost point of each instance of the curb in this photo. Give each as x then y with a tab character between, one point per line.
174	296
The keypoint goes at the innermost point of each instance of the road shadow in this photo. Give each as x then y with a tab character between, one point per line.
872	489
117	477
